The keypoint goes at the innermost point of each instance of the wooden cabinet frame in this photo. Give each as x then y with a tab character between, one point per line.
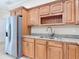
68	9
52	49
55	50
44	10
56	8
69	12
40	49
34	17
77	11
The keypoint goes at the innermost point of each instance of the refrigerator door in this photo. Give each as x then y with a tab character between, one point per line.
13	41
7	35
19	35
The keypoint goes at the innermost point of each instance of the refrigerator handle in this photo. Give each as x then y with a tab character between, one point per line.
6	34
9	32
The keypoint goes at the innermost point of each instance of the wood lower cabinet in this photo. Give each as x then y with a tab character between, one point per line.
40	49
31	49
24	47
28	48
55	53
54	50
73	51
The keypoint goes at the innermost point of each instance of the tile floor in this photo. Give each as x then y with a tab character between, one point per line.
3	55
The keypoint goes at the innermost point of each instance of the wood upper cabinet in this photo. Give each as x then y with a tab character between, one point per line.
34	17
24	21
54	50
40	49
19	11
13	13
73	51
24	13
44	10
69	12
56	7
77	11
67	9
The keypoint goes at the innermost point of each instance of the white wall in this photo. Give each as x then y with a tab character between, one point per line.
69	29
2	30
3	16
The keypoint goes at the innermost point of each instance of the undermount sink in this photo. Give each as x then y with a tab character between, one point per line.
49	37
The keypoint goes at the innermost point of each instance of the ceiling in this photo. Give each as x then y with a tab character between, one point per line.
11	4
5	4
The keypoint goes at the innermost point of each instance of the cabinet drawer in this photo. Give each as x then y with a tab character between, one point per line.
30	40
25	39
40	42
56	8
56	44
44	10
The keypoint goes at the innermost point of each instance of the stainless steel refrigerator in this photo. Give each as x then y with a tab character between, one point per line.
13	40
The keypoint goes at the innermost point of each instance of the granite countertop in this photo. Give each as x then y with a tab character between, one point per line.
67	40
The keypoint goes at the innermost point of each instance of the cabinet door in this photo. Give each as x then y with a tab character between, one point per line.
24	22
25	48
44	10
69	12
31	50
56	8
55	53
77	11
34	17
40	51
73	52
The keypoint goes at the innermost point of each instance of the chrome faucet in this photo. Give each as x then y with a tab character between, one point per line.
52	32
50	29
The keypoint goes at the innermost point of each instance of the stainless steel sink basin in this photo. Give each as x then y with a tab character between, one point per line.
49	37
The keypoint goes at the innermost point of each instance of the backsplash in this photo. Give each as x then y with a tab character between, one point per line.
67	29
